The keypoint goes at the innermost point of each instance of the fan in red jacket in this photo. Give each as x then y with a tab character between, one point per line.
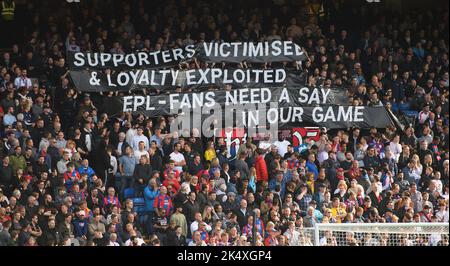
261	168
171	169
172	183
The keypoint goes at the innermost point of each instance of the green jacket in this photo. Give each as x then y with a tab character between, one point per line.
17	162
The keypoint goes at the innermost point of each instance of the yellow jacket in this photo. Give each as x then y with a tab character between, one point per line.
210	154
336	212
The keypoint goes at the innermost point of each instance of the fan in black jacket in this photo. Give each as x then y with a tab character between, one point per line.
51	235
175	238
142	173
7	176
102	160
156	159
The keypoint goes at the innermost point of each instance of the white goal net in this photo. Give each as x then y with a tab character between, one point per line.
375	234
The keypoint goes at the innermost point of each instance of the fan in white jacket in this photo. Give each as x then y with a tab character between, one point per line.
442	214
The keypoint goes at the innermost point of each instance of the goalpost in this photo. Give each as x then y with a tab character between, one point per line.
375	234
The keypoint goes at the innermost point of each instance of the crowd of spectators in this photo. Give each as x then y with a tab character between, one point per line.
72	174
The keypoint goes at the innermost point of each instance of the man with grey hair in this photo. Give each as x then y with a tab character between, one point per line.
62	164
218	181
309	220
242	213
113	240
61	142
31	208
122	145
68	202
433	192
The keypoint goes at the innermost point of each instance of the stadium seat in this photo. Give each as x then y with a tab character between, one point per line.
139	205
404	106
129	193
411	113
395	107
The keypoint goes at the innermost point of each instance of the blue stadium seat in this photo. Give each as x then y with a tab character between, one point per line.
394	107
129	193
139	205
404	106
411	113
